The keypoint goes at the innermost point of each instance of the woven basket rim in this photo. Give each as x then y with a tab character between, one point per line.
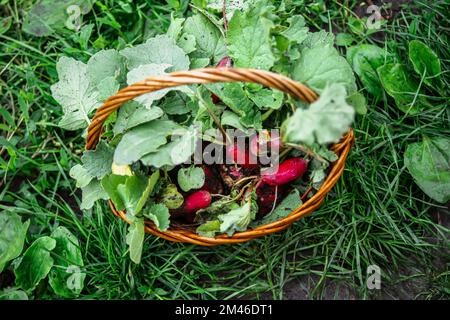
211	75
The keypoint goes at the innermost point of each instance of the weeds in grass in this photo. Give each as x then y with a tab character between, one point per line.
376	214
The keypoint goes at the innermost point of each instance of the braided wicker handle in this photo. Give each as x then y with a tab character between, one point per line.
197	76
212	75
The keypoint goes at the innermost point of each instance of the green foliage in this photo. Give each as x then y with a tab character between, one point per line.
159	50
325	121
35	263
291	202
209	228
133	114
177	151
142	140
159	214
135	239
248	38
191	178
321	65
400	86
365	60
75	93
375	214
91	193
425	62
98	162
209	41
429	164
237	219
12	236
66	277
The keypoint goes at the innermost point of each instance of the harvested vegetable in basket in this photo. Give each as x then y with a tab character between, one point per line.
218	158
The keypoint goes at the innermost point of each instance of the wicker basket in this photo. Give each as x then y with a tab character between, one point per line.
210	75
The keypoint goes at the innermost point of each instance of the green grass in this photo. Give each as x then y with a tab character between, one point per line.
376	214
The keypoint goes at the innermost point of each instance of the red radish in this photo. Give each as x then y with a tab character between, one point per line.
225	62
239	155
195	201
264	137
289	170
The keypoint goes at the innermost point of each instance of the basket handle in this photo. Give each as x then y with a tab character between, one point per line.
196	76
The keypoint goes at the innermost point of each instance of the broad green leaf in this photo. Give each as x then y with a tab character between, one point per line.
12	236
159	214
74	93
399	85
142	140
135	239
358	101
158	50
98	162
109	184
234	97
147	191
237	219
428	163
191	178
344	39
187	42
132	114
107	87
81	175
47	16
318	39
208	229
209	42
66	277
129	192
199	63
175	103
134	192
425	62
216	208
35	264
231	119
365	60
297	32
13	294
175	27
291	202
266	98
91	193
106	64
322	65
249	40
177	151
324	121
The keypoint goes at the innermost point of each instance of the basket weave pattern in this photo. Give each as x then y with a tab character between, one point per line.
212	75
